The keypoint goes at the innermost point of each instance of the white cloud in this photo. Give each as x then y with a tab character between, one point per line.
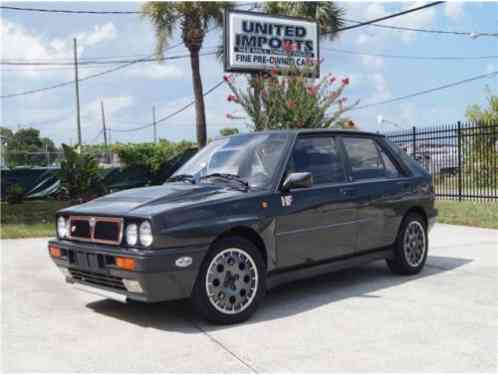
20	43
454	9
156	71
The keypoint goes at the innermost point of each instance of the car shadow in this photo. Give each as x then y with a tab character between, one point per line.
286	300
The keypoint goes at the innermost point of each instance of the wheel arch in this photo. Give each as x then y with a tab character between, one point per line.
249	234
416	210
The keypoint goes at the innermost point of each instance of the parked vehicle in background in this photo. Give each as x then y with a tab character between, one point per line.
249	212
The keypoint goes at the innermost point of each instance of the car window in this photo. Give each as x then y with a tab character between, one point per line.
391	169
319	156
365	159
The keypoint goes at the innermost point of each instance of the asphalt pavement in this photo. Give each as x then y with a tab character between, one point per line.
363	319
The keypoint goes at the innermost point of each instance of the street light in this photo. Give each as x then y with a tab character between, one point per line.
381	120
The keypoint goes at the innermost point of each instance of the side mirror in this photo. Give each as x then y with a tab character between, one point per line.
298	180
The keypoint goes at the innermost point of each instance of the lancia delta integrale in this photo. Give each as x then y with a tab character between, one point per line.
249	212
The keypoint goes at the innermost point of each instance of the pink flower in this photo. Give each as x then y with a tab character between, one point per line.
291	104
332	79
228	78
312	91
232	98
345	81
274	72
289	46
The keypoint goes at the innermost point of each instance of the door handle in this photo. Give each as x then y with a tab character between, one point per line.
348	191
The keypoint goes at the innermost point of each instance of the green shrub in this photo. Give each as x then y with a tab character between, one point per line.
15	194
150	157
79	176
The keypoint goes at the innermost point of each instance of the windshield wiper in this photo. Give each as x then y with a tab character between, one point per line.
182	177
227	177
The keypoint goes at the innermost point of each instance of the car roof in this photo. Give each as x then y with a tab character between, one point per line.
320	131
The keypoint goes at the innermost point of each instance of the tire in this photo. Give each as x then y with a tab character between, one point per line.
234	273
411	247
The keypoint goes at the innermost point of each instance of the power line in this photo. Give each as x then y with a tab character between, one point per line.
167	117
44	10
393	15
453	84
429	31
7	96
408	57
107	62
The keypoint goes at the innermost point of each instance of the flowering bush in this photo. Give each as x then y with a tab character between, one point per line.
291	101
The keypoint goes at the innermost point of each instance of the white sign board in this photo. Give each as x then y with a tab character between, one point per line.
256	42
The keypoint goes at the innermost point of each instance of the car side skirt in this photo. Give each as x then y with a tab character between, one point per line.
282	276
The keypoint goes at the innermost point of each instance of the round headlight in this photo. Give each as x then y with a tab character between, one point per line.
146	237
61	227
131	234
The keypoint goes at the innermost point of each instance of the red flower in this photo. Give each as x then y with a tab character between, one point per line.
312	91
289	46
332	79
232	98
291	104
274	72
227	78
345	81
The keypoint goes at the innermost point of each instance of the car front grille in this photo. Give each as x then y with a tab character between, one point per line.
106	230
97	279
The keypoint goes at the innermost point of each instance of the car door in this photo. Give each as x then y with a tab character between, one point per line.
377	184
316	223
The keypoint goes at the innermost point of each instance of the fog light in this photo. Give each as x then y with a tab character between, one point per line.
133	286
125	263
54	251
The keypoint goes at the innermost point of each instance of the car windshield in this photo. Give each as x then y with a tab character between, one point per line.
252	157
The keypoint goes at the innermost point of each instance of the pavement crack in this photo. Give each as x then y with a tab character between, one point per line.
224	347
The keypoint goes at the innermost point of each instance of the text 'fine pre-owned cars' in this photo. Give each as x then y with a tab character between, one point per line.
249	212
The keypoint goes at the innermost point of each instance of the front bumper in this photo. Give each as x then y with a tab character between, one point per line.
92	268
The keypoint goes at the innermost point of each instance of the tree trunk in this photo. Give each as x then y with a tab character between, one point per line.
200	115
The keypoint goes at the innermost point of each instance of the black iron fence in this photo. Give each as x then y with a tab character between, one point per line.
462	158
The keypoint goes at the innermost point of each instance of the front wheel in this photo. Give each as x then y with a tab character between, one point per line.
231	282
410	250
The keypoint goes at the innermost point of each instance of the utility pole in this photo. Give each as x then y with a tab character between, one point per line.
154	122
76	83
104	130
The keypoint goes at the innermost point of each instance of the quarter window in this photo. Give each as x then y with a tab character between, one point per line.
368	160
319	156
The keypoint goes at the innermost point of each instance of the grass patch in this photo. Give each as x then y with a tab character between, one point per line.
12	231
475	214
29	219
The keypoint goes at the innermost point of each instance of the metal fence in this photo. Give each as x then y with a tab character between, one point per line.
462	158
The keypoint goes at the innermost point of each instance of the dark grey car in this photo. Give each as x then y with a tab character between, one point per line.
249	212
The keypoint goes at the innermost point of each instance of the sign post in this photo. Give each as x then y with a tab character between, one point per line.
257	42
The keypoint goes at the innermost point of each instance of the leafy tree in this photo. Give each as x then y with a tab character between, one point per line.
480	146
292	101
5	135
229	131
150	157
193	19
79	176
25	147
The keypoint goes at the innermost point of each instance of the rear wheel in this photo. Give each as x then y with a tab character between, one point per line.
231	282
410	252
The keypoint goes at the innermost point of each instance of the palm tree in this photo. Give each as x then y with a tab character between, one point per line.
193	20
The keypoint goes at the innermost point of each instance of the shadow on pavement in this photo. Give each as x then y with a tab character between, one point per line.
283	301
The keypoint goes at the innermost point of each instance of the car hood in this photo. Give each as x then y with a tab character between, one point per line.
151	200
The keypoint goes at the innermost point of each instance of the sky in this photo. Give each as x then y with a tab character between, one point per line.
129	94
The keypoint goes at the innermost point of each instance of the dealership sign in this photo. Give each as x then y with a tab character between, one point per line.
256	42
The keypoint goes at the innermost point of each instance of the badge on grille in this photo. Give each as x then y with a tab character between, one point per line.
92	222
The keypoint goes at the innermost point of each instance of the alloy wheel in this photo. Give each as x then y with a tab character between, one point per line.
232	281
414	243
